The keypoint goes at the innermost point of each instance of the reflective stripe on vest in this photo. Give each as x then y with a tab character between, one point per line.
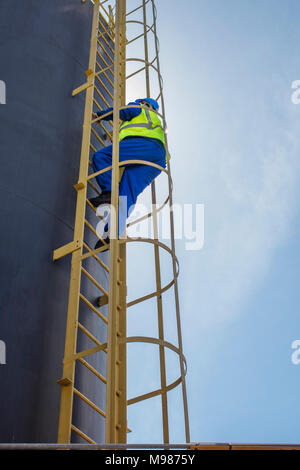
146	124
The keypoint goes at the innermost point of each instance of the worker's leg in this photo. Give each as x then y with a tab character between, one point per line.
137	177
131	149
134	181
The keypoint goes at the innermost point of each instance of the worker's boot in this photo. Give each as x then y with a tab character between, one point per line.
104	198
101	243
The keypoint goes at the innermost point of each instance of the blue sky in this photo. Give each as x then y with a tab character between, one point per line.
228	70
233	135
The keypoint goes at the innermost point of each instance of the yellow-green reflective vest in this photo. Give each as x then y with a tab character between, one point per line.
146	124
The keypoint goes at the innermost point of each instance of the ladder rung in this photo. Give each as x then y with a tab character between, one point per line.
104	86
94	281
105	52
91	228
99	121
101	96
93	148
98	106
82	434
109	28
89	402
101	17
103	70
97	136
89	334
92	184
89	304
95	211
94	371
107	65
96	258
101	35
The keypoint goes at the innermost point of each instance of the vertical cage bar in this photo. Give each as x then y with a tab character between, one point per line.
184	394
162	361
116	361
122	377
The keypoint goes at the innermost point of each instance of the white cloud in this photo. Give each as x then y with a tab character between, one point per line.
249	209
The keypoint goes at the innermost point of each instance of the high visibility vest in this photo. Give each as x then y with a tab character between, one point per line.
146	124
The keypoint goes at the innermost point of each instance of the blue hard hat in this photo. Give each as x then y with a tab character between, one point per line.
150	101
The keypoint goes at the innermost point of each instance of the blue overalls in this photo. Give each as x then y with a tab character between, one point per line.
135	177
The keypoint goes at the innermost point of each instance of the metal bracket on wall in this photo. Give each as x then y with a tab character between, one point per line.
90	75
66	249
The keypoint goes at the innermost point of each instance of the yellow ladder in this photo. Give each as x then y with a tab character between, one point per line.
107	73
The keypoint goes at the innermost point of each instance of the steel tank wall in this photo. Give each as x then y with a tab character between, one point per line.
44	51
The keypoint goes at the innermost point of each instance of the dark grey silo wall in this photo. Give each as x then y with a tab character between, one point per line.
44	51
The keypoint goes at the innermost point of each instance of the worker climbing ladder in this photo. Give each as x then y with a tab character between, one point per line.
105	84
